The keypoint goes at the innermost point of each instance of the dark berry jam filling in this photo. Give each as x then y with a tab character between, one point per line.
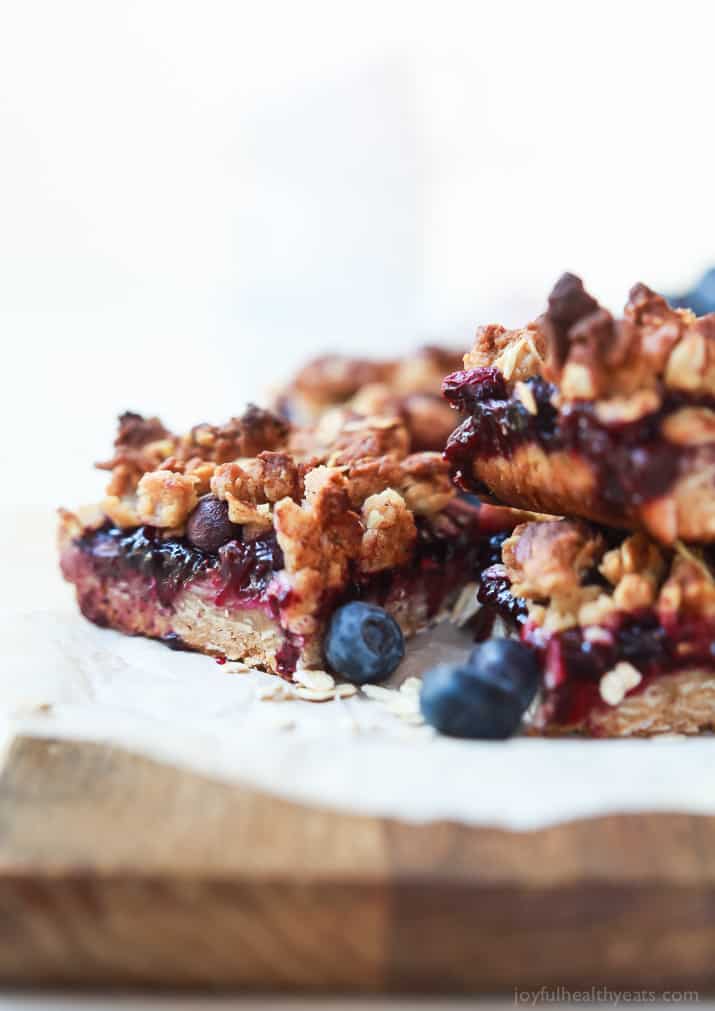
450	551
167	565
633	462
495	594
239	574
574	660
287	656
246	569
465	390
574	664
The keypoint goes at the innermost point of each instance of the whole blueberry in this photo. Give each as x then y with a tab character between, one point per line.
458	702
508	662
363	643
701	298
209	526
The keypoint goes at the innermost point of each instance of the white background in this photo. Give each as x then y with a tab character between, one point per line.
195	196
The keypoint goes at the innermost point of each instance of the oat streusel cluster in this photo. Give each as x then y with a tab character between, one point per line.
624	364
408	388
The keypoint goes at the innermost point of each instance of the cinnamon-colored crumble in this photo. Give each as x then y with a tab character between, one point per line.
408	388
551	565
591	355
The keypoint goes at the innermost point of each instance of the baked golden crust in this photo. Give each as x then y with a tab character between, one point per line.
682	703
408	388
656	676
623	432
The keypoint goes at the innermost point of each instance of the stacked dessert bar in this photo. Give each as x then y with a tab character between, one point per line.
609	423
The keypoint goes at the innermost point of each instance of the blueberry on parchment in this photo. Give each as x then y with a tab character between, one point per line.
363	643
484	698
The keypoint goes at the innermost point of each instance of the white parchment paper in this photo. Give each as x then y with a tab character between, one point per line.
61	676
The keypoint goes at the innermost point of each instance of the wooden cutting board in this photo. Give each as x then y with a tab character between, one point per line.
118	870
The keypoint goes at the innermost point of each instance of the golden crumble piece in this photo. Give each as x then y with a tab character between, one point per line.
690	426
250	486
136	431
390	532
124	479
318	538
635	569
200	470
429	420
425	483
619	410
121	510
253	432
142	445
691	365
375	398
371	476
335	378
165	499
423	371
549	559
689	589
408	388
518	354
365	438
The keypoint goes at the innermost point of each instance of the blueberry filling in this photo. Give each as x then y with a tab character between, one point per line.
573	662
633	462
246	568
495	594
168	565
240	571
465	390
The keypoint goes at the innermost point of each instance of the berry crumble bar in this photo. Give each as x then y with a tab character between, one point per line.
240	540
581	414
623	627
408	388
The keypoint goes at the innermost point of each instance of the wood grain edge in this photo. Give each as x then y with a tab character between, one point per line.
105	880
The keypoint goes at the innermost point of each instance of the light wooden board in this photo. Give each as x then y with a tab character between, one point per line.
118	870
